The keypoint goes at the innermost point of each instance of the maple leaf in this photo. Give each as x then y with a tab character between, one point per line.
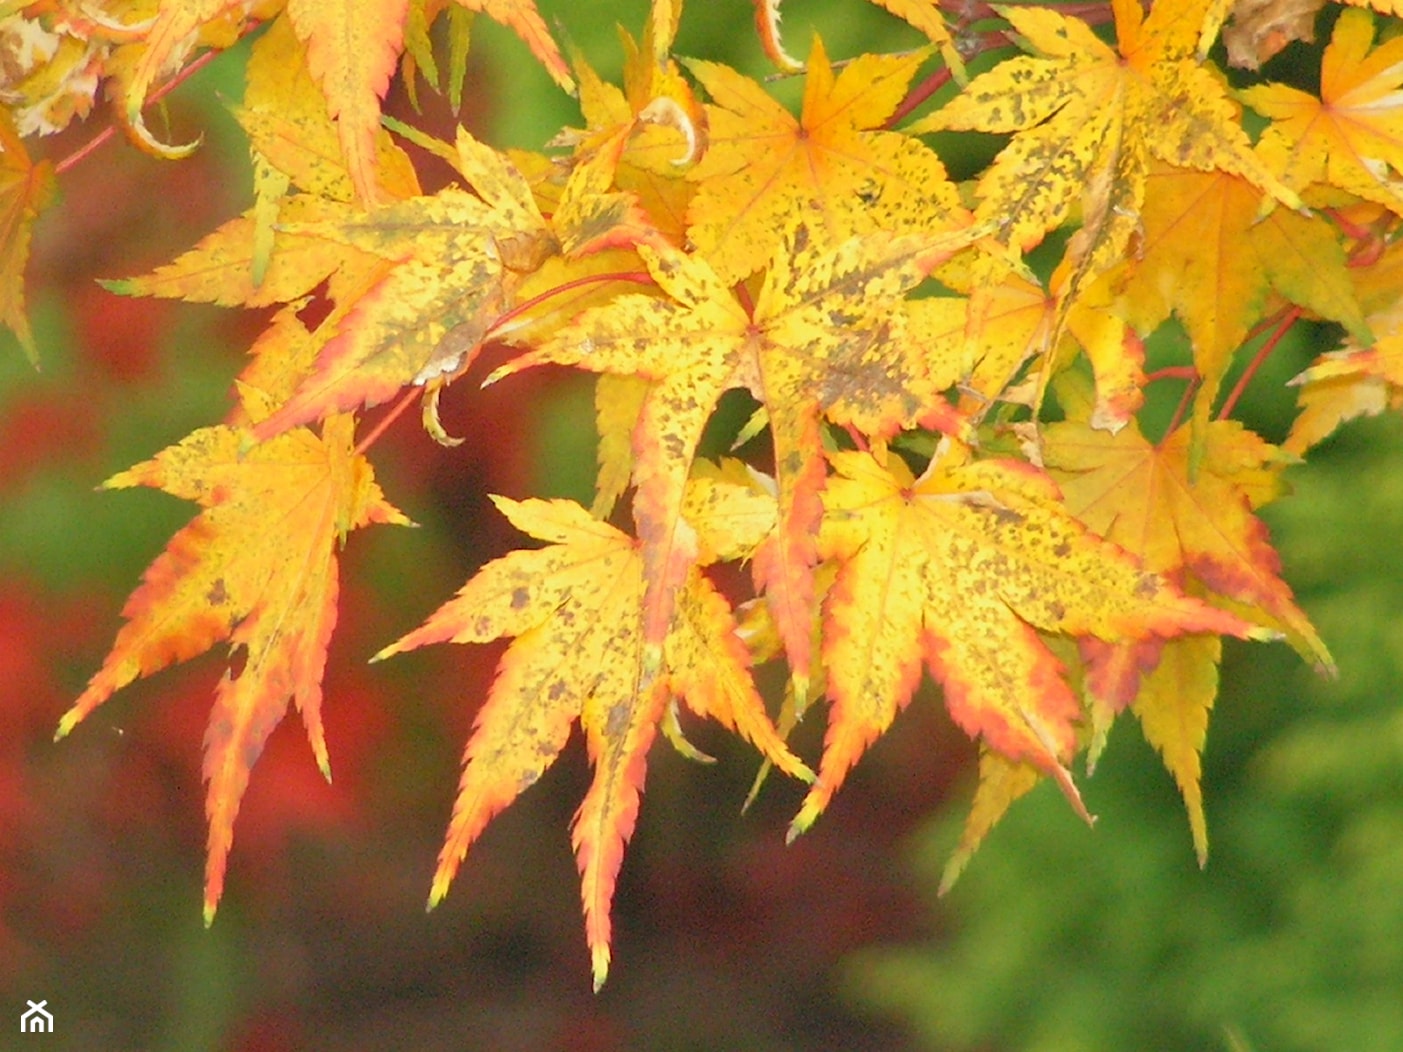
833	165
257	567
286	119
522	18
958	571
1205	253
1139	495
25	189
829	336
653	128
1086	119
1261	28
1349	383
1001	782
448	259
1007	321
1351	136
575	610
353	48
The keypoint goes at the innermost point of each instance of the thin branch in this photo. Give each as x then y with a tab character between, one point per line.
1183	407
383	424
917	95
1288	319
1173	372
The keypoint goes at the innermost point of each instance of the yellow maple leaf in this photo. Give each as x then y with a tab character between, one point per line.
1139	494
353	49
1001	782
448	260
288	123
833	165
1349	383
220	268
1206	255
1351	135
1007	322
958	571
523	19
1086	118
164	41
575	610
1173	704
829	336
641	138
257	567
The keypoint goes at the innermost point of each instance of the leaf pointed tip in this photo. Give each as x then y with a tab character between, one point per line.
951	873
387	651
802	821
65	725
599	965
438	890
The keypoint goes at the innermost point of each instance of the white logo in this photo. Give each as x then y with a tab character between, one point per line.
37	1020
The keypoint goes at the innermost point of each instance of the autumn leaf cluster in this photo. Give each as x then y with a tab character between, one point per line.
947	468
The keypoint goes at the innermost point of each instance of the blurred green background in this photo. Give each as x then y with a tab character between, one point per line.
1057	937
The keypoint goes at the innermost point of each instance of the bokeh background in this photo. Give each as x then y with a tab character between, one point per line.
1058	937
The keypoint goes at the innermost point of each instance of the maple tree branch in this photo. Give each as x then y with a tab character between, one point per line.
1285	320
917	95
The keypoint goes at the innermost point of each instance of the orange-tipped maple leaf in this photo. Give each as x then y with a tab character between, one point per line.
1140	495
1198	529
959	570
575	610
257	567
1341	385
353	48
